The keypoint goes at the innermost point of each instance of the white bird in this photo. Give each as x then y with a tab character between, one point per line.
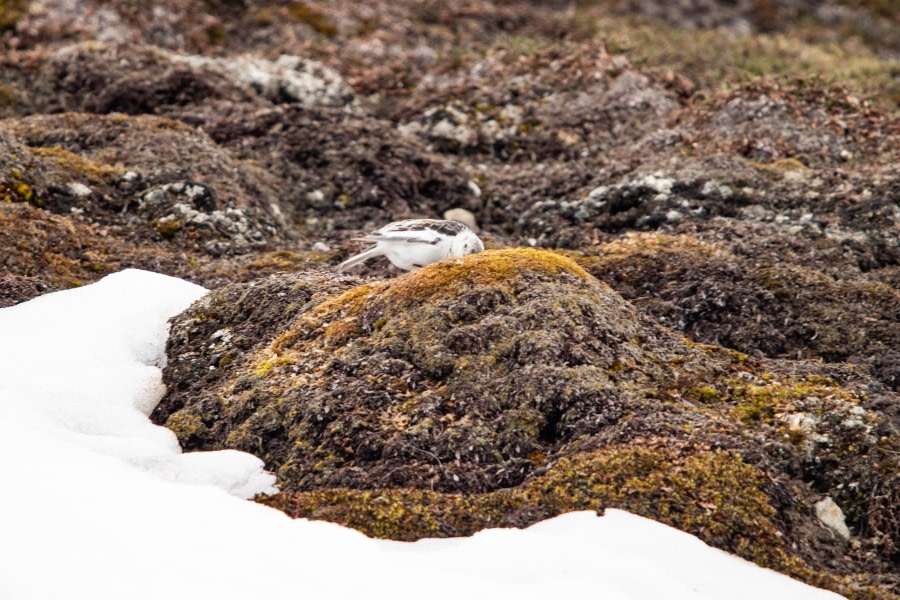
414	243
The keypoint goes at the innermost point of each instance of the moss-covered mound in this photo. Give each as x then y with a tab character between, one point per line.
492	361
510	386
284	133
755	304
69	217
132	79
50	250
714	495
342	170
625	476
155	177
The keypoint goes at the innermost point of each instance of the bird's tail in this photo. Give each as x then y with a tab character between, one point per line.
359	258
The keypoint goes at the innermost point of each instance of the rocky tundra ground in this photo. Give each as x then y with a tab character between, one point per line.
688	308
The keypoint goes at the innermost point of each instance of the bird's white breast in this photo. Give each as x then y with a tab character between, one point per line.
412	256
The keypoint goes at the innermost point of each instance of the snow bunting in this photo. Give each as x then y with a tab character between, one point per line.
414	243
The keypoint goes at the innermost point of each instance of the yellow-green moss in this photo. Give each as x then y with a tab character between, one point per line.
242	438
711	494
317	20
186	425
489	268
350	303
11	11
782	165
763	403
265	365
399	514
338	315
94	172
15	191
704	394
716	58
167	227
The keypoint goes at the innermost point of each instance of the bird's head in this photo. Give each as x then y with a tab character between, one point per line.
465	243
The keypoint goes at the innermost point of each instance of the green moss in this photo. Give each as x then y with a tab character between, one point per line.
242	438
712	494
319	258
398	514
337	317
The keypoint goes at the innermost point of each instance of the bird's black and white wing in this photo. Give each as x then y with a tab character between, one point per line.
416	231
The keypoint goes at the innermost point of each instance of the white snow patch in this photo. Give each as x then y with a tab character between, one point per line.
85	365
99	503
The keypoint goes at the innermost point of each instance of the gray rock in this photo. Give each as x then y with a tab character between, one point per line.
463	216
831	515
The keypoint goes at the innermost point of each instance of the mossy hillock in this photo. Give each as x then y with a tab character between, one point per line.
756	303
510	386
490	359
